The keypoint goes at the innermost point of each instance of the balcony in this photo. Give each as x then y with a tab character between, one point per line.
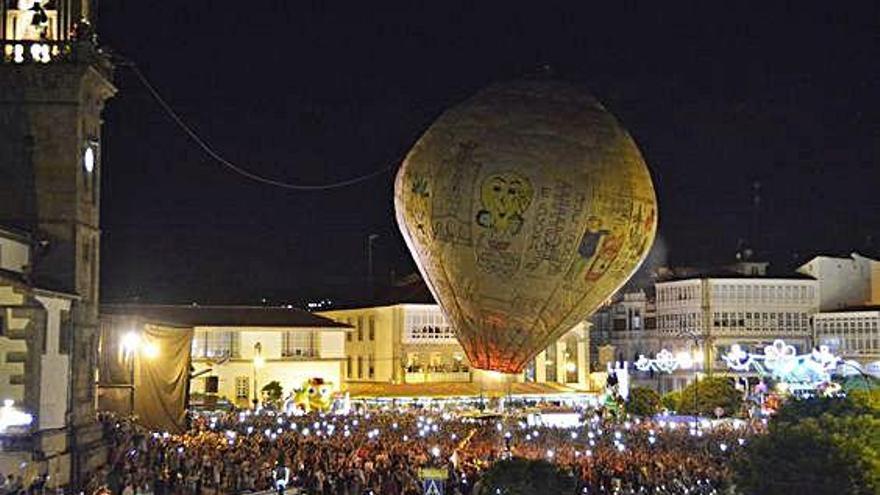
437	377
299	353
29	52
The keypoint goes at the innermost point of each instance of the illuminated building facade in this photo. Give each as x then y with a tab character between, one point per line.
845	282
852	333
414	344
707	315
237	350
624	329
700	316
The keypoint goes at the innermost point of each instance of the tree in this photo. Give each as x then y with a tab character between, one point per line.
273	391
643	401
712	392
826	455
670	400
526	477
854	404
861	383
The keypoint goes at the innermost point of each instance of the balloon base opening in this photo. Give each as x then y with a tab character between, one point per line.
494	381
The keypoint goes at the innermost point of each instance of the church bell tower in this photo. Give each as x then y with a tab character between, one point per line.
54	81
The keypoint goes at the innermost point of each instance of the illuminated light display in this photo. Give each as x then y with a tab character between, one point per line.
782	362
664	362
10	416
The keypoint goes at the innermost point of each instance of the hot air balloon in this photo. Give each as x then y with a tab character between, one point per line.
525	207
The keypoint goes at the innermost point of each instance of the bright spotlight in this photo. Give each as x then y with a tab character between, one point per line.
131	341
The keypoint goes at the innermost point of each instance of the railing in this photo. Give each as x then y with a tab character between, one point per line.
437	377
21	52
299	353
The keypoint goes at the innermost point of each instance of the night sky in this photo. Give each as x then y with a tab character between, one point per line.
716	98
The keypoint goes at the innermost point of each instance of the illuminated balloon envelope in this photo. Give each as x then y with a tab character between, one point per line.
525	208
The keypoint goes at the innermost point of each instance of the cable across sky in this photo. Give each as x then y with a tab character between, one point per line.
210	151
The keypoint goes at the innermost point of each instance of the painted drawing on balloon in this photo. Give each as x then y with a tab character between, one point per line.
640	230
420	194
451	205
420	187
595	251
591	238
504	197
557	215
492	260
607	253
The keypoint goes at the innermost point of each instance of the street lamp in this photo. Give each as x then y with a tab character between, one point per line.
132	345
695	358
370	239
259	362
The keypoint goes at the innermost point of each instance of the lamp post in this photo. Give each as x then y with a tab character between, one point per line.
696	384
130	343
689	333
370	239
259	361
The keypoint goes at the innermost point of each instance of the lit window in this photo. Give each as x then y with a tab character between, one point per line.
298	343
242	387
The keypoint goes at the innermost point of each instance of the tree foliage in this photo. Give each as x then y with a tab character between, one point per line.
854	404
643	401
711	393
273	391
825	455
526	477
670	400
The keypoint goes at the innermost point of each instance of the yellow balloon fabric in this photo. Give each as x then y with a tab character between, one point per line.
525	208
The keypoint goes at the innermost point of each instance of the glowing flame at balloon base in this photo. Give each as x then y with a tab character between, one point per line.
494	380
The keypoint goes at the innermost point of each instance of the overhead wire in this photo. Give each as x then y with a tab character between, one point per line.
216	156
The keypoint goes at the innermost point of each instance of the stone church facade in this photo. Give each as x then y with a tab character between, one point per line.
54	81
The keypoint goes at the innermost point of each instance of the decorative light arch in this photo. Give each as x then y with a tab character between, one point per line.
781	361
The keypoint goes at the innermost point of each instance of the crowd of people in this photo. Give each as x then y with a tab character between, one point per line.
380	452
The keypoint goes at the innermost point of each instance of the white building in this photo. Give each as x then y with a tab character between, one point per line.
845	282
35	347
626	327
851	333
414	344
704	316
236	350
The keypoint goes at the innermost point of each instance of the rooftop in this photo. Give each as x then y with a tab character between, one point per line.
222	316
14	233
730	274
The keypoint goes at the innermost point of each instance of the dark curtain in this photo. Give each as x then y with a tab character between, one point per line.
161	380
